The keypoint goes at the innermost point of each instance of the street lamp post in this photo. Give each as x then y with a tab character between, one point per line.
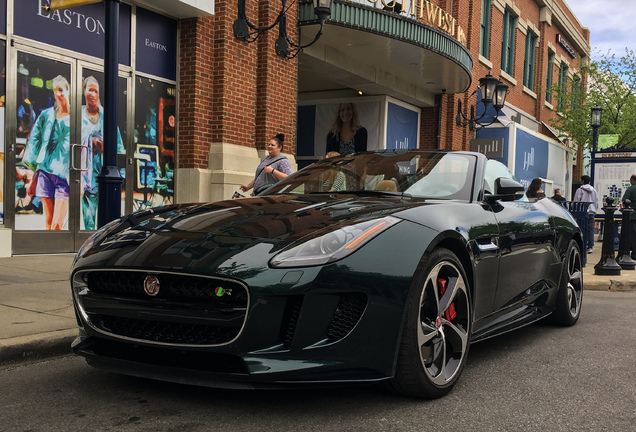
109	179
494	92
246	31
595	122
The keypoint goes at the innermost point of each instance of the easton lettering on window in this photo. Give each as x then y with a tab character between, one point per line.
71	17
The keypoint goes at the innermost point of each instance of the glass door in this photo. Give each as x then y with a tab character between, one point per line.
44	183
58	151
92	145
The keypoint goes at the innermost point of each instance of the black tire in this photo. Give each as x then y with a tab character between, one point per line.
569	299
436	334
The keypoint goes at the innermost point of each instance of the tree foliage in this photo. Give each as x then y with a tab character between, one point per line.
611	84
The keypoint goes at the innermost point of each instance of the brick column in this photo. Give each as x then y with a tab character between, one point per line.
233	97
276	81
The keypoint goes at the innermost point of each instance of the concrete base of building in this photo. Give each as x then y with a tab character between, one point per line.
5	242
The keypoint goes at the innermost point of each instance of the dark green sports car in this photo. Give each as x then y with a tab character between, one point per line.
376	267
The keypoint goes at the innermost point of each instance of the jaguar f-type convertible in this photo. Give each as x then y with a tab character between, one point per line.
376	267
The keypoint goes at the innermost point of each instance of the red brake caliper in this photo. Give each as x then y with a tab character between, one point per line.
449	313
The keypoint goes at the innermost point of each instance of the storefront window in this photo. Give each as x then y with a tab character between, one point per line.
42	155
154	139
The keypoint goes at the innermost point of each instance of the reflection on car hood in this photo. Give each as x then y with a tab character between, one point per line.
172	237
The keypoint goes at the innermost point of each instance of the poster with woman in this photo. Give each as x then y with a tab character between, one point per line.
92	138
353	125
344	126
42	144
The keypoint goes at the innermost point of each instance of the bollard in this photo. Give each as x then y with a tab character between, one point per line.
607	265
624	256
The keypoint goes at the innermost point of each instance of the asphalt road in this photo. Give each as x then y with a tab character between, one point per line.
540	378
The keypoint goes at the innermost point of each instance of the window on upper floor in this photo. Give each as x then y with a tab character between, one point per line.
548	81
484	32
529	62
576	91
508	42
563	78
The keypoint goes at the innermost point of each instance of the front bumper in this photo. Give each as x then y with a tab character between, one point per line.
333	324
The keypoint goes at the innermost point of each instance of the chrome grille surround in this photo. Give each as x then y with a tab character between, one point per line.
105	296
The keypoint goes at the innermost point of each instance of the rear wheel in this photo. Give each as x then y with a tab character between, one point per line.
436	333
570	294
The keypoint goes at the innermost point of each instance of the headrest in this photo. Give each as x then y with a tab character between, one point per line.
386	185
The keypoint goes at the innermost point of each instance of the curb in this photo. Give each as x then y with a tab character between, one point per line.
36	347
621	286
609	285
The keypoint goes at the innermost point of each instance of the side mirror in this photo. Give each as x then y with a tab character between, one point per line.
506	189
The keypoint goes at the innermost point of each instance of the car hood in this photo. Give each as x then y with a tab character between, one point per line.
209	237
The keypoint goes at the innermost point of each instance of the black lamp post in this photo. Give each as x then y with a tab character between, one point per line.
494	92
109	179
595	122
246	31
607	265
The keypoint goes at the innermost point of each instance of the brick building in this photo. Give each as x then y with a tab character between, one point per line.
196	104
368	52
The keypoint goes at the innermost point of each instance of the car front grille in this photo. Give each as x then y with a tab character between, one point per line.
186	310
173	333
180	287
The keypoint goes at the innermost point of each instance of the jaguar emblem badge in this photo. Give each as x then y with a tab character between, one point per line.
151	285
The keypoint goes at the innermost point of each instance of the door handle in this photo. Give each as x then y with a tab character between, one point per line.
82	167
488	244
487	247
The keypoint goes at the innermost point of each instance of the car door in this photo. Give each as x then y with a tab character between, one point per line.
526	246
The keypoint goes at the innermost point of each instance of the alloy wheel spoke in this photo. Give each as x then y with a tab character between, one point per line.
456	285
456	333
426	333
437	368
576	275
574	300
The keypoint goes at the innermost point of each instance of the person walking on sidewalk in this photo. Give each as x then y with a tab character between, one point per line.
587	193
630	194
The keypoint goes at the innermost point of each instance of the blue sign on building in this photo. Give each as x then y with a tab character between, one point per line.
156	44
401	127
80	29
531	158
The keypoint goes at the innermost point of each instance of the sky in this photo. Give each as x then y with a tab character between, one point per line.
611	24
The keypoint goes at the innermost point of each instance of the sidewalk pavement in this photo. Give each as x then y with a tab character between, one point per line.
36	312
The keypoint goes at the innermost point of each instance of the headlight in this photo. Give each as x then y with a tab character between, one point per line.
327	246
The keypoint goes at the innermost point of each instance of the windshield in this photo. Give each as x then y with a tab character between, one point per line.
443	175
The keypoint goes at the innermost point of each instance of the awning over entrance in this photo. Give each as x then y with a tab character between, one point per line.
378	52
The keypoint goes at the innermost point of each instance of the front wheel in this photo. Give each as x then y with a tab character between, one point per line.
567	308
436	333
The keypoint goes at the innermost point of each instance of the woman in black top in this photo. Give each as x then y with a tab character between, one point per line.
346	134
